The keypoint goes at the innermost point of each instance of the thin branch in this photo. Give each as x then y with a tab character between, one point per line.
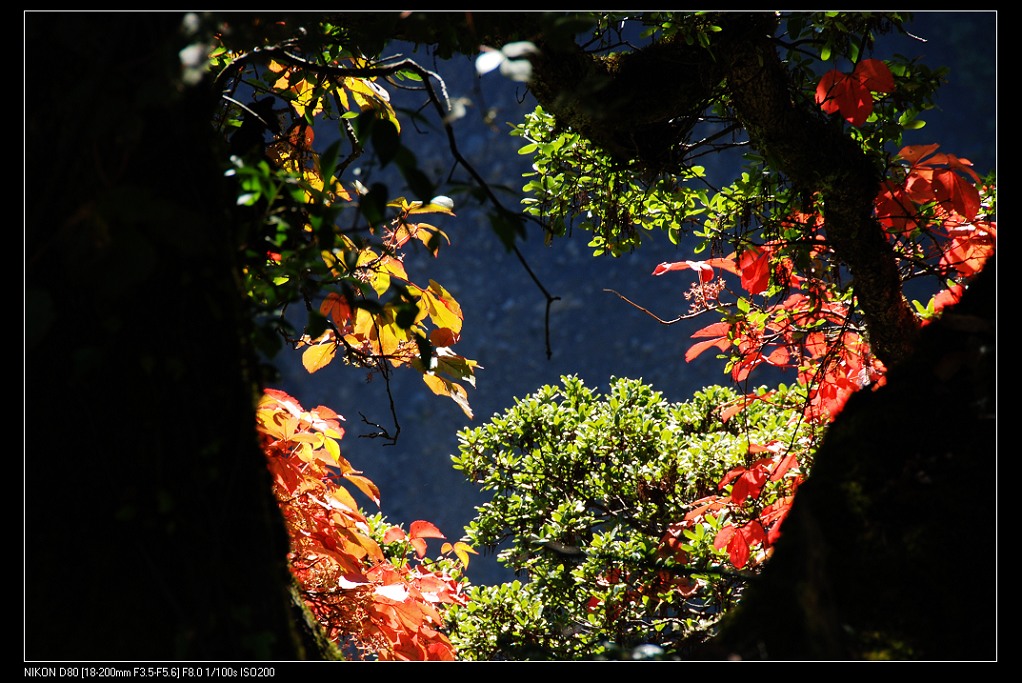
660	320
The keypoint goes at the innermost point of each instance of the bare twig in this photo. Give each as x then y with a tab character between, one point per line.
650	313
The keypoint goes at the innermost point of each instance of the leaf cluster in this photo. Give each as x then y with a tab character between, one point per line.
574	183
311	233
367	584
588	491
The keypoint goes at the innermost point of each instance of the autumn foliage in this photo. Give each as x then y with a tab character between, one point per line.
353	576
930	207
780	297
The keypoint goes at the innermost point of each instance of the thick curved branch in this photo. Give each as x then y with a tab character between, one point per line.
615	104
637	106
818	156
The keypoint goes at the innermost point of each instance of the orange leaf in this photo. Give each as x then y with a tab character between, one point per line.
336	306
340	496
440	652
420	547
365	486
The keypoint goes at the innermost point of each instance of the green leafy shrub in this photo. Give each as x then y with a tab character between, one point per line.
589	498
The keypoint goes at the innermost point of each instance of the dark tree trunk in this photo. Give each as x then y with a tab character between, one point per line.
890	548
151	531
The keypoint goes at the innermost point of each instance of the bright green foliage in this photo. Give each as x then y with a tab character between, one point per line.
573	178
590	495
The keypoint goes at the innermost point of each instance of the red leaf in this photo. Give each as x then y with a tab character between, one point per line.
954	190
728	413
785	464
755	267
724	536
779	357
697	349
731	474
738	550
852	95
717	330
421	529
874	75
706	504
827	90
749	484
301	135
704	268
947	297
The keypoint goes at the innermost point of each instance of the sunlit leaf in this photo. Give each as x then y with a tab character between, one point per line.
318	356
424	529
366	486
396	592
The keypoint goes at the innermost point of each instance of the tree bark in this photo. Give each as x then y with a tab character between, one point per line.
889	549
819	157
639	107
150	529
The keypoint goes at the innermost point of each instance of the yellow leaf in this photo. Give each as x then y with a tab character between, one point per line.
305	452
305	98
341	496
371	97
370	545
429	235
395	267
439	204
445	387
379	270
318	356
332	448
453	365
462	550
443	310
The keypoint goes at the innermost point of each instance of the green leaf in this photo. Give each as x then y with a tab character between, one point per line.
317	324
328	161
374	203
508	228
386	141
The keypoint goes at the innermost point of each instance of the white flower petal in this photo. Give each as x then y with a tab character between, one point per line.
517	69
488	61
444	201
519	49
